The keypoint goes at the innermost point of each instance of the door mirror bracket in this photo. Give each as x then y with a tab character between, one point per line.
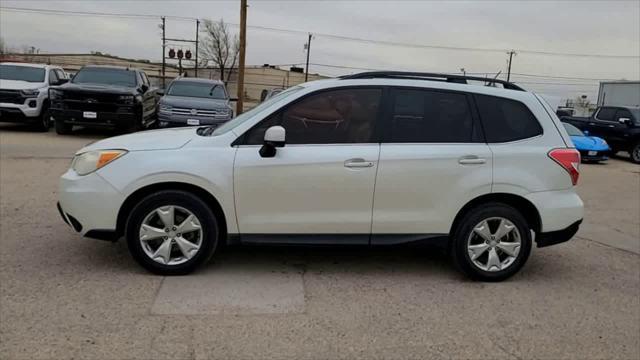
274	138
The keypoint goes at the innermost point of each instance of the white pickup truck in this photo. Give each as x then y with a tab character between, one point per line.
24	92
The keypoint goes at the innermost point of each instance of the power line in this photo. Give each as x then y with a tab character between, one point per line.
332	36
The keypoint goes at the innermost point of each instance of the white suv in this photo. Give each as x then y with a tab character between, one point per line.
24	92
377	158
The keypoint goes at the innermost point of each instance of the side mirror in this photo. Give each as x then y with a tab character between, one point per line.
274	138
62	81
586	133
624	120
144	88
233	99
160	92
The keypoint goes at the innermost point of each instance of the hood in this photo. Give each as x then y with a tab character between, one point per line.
111	89
20	85
194	102
589	143
163	139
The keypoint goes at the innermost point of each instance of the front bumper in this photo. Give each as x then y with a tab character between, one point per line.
596	155
89	204
103	119
182	120
19	113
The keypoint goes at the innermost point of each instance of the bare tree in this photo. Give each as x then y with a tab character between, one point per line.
219	47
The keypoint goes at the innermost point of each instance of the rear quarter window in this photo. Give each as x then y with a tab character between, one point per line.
506	120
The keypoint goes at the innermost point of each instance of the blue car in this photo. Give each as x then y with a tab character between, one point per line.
591	148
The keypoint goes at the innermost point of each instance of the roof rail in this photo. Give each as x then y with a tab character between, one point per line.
459	79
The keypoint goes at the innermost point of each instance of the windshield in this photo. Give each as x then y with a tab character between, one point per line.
249	114
197	89
105	76
23	73
572	130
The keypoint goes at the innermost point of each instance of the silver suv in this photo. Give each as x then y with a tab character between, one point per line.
192	101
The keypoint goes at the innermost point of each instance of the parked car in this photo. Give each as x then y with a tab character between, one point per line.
266	94
104	96
591	148
369	159
24	92
618	125
193	101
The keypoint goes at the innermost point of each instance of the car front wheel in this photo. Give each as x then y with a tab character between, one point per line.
635	153
491	243
171	232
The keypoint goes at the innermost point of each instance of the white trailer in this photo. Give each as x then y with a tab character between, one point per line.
619	93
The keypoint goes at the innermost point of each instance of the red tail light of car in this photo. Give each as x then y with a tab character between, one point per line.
569	159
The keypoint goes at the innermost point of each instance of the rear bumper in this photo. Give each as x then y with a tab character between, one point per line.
558	209
557	237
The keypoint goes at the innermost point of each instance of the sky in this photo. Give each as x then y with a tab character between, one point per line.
603	36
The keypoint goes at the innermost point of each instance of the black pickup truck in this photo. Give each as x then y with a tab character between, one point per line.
104	96
618	125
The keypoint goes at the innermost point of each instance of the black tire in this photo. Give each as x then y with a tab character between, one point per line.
188	201
44	120
635	153
63	128
460	253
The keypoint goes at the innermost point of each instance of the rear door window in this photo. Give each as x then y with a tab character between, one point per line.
505	120
427	116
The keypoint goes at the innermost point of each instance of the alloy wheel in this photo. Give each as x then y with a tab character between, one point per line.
494	244
171	235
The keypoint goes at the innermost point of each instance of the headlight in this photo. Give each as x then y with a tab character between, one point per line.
31	92
55	94
165	108
126	99
91	161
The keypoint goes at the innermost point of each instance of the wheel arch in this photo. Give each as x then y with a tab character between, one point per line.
526	208
135	197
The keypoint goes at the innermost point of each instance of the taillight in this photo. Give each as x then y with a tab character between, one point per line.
569	159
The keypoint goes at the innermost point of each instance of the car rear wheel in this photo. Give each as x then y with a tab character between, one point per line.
171	232
491	243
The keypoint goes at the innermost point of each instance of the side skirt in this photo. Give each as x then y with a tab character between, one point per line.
338	239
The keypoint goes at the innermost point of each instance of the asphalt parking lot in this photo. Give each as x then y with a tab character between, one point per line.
63	296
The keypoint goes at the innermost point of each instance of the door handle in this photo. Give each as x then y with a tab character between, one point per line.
592	123
358	163
471	160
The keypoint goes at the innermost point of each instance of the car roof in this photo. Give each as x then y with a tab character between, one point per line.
110	67
200	80
41	66
421	83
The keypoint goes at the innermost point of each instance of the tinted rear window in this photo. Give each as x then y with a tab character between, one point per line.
506	120
426	116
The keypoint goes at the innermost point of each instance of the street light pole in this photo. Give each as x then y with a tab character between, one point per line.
306	71
164	48
243	42
197	30
511	53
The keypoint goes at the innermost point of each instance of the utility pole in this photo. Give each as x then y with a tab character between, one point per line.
511	53
306	71
197	30
243	46
164	45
